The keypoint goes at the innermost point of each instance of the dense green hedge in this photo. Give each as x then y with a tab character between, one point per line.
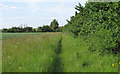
101	19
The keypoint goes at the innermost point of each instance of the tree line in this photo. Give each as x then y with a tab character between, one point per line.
54	27
100	20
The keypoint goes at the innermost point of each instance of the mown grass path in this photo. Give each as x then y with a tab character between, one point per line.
56	65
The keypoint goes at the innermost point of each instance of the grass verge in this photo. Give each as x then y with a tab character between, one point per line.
76	57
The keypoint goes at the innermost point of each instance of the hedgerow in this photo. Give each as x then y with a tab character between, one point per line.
101	19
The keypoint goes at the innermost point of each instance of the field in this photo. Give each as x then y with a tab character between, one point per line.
13	35
53	52
32	53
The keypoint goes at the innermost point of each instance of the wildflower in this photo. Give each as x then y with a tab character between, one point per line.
116	63
119	62
113	65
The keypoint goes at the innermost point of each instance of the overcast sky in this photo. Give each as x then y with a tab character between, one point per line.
36	13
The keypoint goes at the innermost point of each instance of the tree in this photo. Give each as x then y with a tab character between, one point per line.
79	7
97	18
46	28
54	25
59	29
4	30
34	30
39	29
28	29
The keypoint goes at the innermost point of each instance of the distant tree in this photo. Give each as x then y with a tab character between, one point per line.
4	30
59	29
54	25
10	30
34	30
39	29
46	28
16	29
28	29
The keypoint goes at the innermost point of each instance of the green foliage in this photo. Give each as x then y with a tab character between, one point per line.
54	25
52	28
59	29
18	30
97	17
34	30
4	30
28	29
46	28
76	56
39	29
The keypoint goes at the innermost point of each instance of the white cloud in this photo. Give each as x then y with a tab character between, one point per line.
5	6
13	7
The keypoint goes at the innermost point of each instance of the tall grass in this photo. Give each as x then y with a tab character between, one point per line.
76	56
33	53
50	52
13	35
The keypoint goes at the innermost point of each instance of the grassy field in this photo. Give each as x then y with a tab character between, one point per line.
13	35
33	53
54	52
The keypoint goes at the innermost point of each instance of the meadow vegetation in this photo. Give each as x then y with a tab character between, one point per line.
13	35
90	42
96	29
33	53
77	56
56	52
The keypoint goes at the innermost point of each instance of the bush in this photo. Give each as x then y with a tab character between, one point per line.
99	19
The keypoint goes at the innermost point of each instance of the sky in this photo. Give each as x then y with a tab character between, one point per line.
36	13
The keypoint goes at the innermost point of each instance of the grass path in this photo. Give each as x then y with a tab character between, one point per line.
77	57
56	65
